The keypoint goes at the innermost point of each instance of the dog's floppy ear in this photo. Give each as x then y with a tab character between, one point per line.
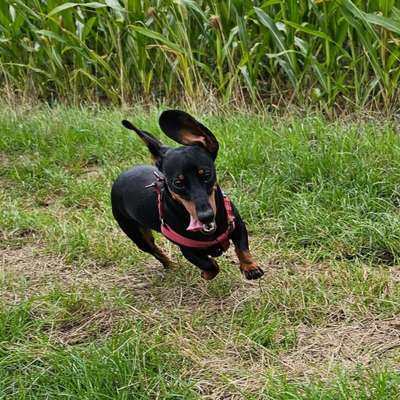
156	148
184	129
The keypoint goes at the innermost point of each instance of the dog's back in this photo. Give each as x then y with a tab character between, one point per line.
131	198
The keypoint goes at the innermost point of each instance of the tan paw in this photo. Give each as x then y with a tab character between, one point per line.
208	275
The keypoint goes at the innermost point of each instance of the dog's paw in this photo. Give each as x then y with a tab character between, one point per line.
208	275
255	273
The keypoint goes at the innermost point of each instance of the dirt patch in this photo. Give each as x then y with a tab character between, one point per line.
4	160
90	172
221	373
320	353
230	378
36	272
88	326
344	345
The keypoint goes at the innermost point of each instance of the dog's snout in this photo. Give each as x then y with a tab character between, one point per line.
206	216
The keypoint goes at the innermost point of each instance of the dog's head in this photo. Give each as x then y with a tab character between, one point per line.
189	170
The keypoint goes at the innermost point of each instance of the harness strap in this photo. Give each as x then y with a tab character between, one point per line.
222	240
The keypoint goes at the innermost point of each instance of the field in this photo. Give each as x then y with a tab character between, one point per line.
328	55
84	315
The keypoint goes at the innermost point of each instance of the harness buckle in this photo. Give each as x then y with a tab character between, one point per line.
158	176
157	183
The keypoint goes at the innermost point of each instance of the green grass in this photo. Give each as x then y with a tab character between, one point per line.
85	315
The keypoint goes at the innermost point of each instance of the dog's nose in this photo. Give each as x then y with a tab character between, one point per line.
206	216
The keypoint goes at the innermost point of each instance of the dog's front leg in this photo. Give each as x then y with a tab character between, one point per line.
208	266
240	239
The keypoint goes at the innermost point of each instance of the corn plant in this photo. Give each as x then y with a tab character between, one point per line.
333	54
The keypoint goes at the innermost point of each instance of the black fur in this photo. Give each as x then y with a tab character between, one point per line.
135	206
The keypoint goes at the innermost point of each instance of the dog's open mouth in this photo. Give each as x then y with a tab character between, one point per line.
196	226
209	228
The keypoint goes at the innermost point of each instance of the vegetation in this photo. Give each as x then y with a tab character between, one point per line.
84	314
341	53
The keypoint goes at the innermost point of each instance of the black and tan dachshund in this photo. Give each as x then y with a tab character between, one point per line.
180	197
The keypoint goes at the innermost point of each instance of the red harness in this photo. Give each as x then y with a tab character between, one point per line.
222	240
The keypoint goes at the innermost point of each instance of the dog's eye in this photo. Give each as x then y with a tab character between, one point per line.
179	184
206	176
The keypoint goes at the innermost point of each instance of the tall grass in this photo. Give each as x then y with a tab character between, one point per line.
340	53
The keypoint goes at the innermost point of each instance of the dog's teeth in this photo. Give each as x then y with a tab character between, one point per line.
209	227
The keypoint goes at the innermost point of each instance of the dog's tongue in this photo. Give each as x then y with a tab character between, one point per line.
195	225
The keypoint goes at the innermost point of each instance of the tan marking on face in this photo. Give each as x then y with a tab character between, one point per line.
181	177
190	206
212	201
200	171
247	262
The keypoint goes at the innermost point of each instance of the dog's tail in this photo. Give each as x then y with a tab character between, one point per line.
147	137
129	125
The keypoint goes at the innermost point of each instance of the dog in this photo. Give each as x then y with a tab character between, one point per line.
180	198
